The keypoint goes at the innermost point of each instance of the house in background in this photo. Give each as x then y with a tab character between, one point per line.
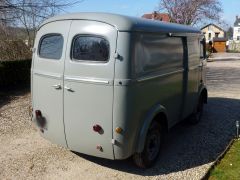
215	36
236	29
158	16
212	31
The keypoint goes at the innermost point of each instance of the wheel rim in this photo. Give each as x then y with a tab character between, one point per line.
153	145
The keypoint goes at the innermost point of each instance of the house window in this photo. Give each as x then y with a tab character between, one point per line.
217	35
238	38
239	30
209	36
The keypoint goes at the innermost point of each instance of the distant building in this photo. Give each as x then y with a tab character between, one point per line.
236	29
212	31
158	16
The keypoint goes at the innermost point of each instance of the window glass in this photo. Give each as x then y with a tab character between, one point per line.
193	51
90	48
51	46
209	36
203	49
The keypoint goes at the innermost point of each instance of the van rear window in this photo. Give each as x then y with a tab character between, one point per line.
51	46
90	48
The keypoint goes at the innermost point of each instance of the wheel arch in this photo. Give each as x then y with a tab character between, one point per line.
157	113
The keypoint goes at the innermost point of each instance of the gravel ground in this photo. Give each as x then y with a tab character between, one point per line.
187	154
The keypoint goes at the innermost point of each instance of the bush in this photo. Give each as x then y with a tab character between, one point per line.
12	50
14	73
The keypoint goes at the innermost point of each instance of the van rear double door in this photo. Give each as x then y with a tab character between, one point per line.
75	92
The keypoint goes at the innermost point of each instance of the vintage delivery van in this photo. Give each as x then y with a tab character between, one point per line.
109	85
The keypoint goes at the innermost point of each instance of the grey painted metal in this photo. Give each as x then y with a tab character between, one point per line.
126	23
91	99
87	80
127	91
45	74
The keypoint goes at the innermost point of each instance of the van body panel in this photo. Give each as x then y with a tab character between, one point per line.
90	100
159	76
134	103
192	78
46	74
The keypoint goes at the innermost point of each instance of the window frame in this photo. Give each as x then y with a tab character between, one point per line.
89	61
40	43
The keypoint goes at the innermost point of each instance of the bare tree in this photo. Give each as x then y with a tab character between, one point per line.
191	12
30	13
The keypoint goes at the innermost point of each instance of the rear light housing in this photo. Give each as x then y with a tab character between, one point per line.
97	128
41	121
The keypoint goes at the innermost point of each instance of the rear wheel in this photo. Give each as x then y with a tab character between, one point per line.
151	149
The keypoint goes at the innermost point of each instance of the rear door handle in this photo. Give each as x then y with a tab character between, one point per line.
57	86
69	89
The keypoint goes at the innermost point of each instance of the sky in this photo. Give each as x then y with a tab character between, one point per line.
137	8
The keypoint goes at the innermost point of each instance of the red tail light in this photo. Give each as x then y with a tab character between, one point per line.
41	121
38	113
97	128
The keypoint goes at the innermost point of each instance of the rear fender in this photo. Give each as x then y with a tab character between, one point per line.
146	124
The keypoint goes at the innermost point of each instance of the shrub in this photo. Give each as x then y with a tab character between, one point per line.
12	50
14	73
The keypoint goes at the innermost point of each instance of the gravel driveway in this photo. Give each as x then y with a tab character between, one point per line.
187	154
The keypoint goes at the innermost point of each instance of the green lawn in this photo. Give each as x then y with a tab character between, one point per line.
229	167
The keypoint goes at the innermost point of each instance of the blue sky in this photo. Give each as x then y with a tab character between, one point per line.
139	7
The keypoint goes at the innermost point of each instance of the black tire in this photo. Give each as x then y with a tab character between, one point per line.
196	117
152	146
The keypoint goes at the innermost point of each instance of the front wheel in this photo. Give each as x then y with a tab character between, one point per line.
151	149
197	115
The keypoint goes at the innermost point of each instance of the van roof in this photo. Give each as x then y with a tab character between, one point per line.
126	23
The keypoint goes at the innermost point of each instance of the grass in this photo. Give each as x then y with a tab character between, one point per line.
229	166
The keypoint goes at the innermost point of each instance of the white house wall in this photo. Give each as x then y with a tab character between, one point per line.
236	33
212	30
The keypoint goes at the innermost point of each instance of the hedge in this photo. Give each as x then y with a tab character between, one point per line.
14	73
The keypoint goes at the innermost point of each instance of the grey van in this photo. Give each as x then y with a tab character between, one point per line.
110	86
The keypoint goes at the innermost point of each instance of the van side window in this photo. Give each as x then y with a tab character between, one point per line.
50	46
90	48
193	51
203	49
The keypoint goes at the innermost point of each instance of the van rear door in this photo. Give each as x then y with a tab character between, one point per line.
88	87
47	78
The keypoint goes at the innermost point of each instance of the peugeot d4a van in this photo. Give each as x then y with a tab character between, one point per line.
109	85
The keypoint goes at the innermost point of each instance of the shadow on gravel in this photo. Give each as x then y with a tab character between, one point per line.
189	146
9	93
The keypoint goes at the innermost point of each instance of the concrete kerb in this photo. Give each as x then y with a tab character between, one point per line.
223	59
